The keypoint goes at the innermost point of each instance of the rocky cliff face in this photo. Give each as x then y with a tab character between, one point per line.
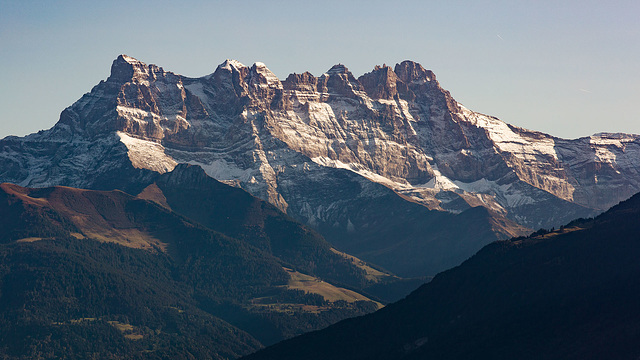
395	127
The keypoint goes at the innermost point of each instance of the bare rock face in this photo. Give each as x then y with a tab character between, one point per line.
381	83
395	127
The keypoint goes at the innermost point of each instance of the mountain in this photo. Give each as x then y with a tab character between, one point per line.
142	281
571	293
333	152
188	191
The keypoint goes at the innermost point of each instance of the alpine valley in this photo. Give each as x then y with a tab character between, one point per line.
173	217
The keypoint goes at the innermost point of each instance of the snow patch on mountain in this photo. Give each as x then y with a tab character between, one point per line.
225	171
607	144
439	182
362	171
271	79
507	140
145	154
231	64
511	196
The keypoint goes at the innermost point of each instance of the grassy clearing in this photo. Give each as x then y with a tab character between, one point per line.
127	330
373	275
310	284
29	239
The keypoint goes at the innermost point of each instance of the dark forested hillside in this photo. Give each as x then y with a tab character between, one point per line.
89	300
187	190
572	293
102	274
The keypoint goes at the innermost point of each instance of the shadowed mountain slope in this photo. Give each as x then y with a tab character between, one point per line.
188	191
568	294
80	264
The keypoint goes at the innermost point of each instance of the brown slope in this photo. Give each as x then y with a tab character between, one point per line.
100	215
117	217
231	278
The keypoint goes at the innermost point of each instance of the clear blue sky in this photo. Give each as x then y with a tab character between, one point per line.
569	68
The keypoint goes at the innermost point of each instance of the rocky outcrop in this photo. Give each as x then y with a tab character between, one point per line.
396	127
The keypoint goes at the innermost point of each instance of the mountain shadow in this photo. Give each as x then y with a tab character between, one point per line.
572	293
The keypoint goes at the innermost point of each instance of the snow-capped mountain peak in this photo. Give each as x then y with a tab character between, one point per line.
231	64
393	126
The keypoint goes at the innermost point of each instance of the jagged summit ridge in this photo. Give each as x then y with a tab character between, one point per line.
394	125
409	71
338	69
126	68
230	64
129	59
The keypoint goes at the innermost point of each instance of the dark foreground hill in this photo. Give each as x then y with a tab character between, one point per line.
103	274
573	293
